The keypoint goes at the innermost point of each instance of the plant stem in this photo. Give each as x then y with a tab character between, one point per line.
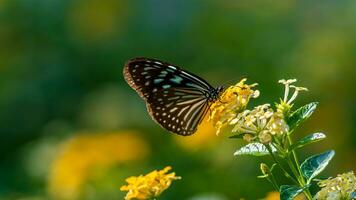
296	159
274	182
280	165
295	167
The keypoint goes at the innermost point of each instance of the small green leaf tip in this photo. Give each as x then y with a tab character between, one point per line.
301	114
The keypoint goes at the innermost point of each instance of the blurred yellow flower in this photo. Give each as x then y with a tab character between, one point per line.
275	196
81	154
148	186
93	21
272	196
340	187
232	101
203	138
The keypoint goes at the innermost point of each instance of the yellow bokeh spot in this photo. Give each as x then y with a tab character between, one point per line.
204	137
275	196
96	20
78	157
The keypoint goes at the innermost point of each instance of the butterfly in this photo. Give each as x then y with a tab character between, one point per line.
175	98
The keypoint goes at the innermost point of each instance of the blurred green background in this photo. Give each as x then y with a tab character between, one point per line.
71	128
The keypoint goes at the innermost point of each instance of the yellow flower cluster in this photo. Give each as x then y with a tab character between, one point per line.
340	187
232	101
260	124
148	186
80	156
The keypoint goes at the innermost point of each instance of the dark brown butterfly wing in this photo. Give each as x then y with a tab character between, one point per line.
176	99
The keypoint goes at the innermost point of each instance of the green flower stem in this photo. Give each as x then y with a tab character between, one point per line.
295	158
295	167
274	182
280	165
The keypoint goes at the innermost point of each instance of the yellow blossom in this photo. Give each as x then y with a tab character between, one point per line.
148	186
80	156
340	187
261	122
277	125
232	101
264	137
248	137
254	124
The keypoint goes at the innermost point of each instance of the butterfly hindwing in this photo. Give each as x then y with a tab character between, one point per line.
179	113
176	99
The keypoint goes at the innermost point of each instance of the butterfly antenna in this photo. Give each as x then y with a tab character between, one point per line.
232	81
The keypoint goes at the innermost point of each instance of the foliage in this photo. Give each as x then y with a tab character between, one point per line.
268	132
61	64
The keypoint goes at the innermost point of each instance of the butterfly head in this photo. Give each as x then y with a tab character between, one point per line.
215	93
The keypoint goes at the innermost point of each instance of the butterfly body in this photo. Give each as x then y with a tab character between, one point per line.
176	99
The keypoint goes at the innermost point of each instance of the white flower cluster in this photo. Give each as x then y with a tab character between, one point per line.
260	124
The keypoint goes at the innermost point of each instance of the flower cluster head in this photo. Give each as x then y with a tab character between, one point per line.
288	84
260	124
232	101
286	103
340	187
148	186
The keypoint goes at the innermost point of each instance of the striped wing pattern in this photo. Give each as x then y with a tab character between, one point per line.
175	98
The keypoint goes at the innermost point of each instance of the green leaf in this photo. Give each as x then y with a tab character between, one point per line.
288	192
313	165
315	137
254	149
301	114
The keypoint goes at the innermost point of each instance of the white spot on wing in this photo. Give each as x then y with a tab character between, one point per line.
172	67
173	109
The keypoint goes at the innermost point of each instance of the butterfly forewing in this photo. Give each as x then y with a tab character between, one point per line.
176	99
